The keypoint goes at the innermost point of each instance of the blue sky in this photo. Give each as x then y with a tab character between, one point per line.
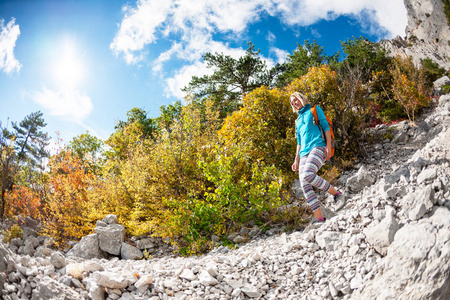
85	63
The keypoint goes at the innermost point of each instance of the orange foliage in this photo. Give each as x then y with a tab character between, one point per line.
67	209
22	201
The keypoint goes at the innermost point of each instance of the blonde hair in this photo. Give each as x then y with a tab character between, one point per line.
300	97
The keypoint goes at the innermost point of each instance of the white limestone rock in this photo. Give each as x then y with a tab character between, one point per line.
110	238
382	235
206	279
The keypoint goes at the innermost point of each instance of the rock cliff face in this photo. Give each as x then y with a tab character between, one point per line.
427	33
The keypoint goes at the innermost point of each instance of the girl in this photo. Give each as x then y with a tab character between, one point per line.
312	152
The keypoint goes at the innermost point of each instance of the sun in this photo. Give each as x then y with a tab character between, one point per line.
68	68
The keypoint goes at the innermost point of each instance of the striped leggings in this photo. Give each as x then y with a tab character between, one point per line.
308	167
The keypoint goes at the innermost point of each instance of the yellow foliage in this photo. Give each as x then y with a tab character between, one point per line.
135	188
14	232
321	87
263	129
409	86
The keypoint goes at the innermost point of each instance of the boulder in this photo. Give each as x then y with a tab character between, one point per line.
95	292
395	176
427	175
143	283
206	279
251	291
32	223
144	244
444	99
28	248
130	252
110	238
6	264
361	179
28	232
87	248
49	289
417	204
188	275
382	235
440	83
43	251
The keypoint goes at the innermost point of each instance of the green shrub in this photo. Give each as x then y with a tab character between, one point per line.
235	200
13	233
446	89
447	10
413	38
432	71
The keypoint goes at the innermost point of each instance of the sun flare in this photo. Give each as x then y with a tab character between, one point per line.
68	69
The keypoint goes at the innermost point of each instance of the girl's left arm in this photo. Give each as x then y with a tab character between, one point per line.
328	148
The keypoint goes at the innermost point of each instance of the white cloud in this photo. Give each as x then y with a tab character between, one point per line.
8	38
388	14
280	54
193	23
71	104
271	37
138	28
182	78
315	33
192	52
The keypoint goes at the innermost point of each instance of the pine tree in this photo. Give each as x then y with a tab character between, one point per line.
30	140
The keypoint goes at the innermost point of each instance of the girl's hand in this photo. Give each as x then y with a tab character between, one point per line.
295	165
327	152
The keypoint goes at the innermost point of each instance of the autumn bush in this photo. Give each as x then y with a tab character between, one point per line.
67	210
22	201
263	129
409	86
233	201
386	107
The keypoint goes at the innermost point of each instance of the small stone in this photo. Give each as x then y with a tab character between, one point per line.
251	291
236	292
333	290
239	239
188	275
58	260
356	282
206	279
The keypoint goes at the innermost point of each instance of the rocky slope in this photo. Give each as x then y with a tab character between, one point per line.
427	33
392	241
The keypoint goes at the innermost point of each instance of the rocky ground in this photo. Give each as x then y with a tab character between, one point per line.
391	241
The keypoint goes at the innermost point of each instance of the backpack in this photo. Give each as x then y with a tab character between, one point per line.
330	124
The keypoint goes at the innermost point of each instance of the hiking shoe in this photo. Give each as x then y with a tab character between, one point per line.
317	221
339	201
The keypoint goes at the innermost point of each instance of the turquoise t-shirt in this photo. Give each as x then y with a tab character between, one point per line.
308	133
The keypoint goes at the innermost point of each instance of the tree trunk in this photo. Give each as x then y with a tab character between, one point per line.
2	204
